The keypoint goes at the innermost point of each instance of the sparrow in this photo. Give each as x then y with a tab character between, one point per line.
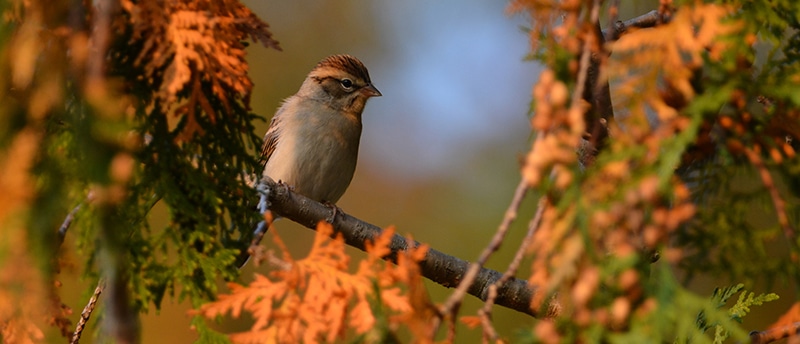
312	141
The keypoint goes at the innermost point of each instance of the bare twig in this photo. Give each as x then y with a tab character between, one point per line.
775	334
451	305
87	312
769	183
486	311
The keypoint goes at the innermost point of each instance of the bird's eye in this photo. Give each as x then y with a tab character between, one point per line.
347	83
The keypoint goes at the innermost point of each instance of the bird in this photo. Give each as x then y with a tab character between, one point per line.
313	138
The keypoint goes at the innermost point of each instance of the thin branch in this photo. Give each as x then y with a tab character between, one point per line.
769	183
775	334
613	14
598	91
450	307
485	312
649	19
594	88
590	89
87	312
62	231
438	267
586	55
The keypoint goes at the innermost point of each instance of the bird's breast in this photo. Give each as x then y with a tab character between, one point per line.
317	155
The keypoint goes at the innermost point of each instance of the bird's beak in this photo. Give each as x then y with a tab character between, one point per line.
371	91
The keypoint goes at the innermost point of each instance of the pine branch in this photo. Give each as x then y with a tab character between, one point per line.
438	267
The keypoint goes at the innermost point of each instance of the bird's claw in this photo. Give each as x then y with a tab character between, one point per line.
334	212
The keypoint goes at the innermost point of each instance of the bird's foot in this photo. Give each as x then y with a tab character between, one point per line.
334	211
288	186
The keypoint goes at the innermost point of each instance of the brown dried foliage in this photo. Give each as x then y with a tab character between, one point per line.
656	65
187	43
60	47
316	299
23	312
626	213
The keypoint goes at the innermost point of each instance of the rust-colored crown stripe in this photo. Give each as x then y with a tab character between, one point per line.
347	63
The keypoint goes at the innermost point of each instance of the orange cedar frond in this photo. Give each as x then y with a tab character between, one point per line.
315	297
20	330
420	310
256	337
195	46
791	316
21	286
379	248
672	52
330	251
277	240
361	317
471	321
408	263
376	250
418	253
394	299
247	298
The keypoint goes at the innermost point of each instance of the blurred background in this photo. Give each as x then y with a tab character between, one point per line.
440	150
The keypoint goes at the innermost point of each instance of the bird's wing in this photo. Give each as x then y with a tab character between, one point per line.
271	138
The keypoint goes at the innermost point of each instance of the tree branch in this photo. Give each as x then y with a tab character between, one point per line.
438	267
775	334
649	19
594	88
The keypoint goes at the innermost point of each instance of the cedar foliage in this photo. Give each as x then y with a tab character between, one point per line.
316	299
689	97
119	106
